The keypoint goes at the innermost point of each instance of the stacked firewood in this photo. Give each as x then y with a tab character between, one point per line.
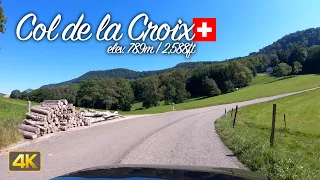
57	115
92	116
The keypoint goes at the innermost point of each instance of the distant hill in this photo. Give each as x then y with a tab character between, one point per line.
306	38
125	73
1	94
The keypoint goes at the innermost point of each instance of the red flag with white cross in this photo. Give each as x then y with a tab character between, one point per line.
204	29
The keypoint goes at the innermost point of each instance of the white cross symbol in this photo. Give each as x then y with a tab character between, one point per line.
204	29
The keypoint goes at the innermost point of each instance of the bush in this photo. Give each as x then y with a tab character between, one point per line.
283	69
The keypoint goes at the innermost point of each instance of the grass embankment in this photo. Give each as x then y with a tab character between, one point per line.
296	152
12	112
262	86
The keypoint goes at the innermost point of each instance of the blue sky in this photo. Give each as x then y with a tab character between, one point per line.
242	27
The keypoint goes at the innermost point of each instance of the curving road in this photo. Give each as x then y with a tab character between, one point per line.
174	138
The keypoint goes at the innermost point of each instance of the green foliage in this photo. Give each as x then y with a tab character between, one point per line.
228	87
124	96
241	76
295	154
282	69
3	19
105	93
297	67
312	64
263	86
150	94
210	87
305	38
15	94
89	93
298	54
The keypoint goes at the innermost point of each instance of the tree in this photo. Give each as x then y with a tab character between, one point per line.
15	94
125	95
228	87
150	95
297	67
312	64
88	93
210	87
298	54
282	69
3	19
169	94
241	76
26	94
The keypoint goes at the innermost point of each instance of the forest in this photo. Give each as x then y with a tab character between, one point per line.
118	89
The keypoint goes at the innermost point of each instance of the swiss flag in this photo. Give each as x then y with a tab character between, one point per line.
204	29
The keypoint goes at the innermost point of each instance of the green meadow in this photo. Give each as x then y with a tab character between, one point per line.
262	86
296	151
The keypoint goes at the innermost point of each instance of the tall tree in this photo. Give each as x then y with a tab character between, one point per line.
210	87
125	95
298	54
3	19
88	94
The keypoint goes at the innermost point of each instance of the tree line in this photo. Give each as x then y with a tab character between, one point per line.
179	84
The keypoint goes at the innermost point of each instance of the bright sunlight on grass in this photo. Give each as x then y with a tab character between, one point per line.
295	154
263	86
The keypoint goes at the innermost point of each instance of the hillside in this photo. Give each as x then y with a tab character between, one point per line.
126	73
305	38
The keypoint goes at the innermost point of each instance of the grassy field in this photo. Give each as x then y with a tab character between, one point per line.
262	86
296	152
12	112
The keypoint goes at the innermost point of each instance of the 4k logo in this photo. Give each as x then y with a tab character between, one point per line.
24	161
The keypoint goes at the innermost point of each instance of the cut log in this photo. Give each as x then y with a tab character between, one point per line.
63	128
28	135
29	128
34	123
40	111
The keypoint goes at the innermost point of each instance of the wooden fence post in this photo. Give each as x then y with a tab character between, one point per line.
225	112
284	119
273	124
232	112
235	116
28	106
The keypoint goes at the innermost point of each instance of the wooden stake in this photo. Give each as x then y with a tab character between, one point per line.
235	116
273	124
232	112
29	107
284	119
225	112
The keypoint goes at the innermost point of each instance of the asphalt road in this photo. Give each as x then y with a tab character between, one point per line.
173	138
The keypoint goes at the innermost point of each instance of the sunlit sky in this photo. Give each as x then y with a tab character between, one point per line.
242	27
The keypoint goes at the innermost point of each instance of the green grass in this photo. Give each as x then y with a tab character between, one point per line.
12	112
262	86
296	152
263	78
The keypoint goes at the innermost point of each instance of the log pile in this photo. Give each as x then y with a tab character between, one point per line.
57	115
92	116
